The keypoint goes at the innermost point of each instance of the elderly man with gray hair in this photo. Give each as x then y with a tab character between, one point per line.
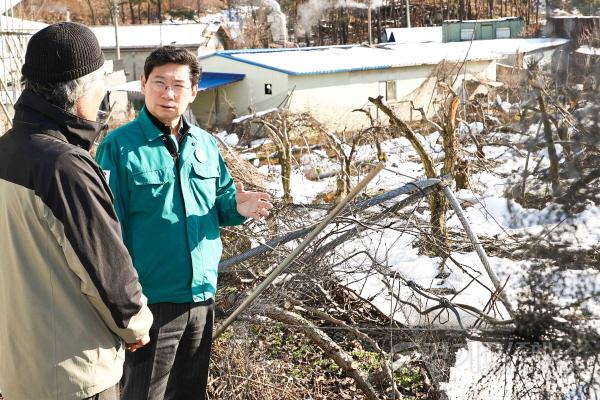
70	300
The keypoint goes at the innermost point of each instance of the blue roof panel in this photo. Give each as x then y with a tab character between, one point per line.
208	80
211	80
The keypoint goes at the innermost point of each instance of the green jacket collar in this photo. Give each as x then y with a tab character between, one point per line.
152	128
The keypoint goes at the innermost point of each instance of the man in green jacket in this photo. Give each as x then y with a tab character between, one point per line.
172	193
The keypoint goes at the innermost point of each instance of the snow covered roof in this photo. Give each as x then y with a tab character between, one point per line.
208	80
499	47
12	24
323	60
574	16
456	21
591	51
131	86
414	35
154	35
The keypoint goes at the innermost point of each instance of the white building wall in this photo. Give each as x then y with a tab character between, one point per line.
331	98
118	101
245	96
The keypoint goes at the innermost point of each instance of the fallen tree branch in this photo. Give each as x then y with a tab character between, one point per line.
323	315
325	343
421	186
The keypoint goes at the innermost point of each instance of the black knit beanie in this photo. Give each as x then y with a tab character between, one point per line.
62	52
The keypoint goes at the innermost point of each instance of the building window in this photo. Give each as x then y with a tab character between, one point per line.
390	90
503	33
467	34
268	88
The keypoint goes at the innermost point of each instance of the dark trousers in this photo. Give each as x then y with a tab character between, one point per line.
112	393
174	365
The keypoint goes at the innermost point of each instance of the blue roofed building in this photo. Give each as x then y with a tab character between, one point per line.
331	82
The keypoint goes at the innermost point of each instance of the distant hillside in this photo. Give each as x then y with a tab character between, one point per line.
98	12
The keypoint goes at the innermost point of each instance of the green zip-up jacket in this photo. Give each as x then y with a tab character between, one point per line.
170	209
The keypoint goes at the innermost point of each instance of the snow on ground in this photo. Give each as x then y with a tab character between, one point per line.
403	259
490	214
476	375
304	191
497	216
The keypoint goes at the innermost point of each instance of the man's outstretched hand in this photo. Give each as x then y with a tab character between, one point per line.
252	204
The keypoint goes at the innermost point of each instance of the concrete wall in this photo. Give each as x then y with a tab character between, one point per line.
511	76
133	60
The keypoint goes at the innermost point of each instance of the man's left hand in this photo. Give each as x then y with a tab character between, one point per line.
252	204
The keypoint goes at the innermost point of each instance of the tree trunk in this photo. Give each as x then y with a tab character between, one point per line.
562	129
438	205
281	139
451	161
122	5
437	202
131	12
552	155
379	34
92	12
159	10
286	165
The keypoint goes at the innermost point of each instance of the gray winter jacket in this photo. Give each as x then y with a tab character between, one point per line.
69	295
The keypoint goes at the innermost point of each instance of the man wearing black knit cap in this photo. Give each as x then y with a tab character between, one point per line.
70	300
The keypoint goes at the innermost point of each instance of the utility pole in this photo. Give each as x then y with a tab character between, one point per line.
407	13
115	15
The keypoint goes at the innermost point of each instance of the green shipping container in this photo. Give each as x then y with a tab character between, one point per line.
481	29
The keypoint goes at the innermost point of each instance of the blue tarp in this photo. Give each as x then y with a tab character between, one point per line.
211	80
208	80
